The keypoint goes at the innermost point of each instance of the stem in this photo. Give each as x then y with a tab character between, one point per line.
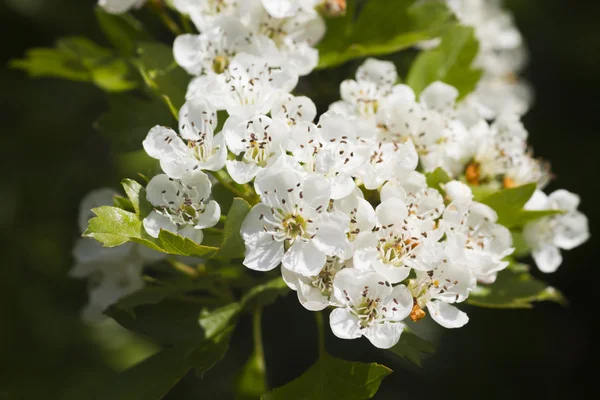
159	8
258	345
225	181
321	330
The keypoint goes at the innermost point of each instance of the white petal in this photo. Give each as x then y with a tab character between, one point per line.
304	258
447	315
392	211
280	8
571	230
264	255
439	96
331	237
382	73
154	222
316	191
384	335
186	51
565	200
242	172
344	324
195	235
392	273
210	216
547	258
458	191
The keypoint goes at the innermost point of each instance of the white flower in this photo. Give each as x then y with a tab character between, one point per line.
204	13
361	213
287	8
292	224
473	234
400	242
436	289
315	293
181	205
213	50
361	97
295	36
294	109
549	234
196	148
387	161
373	308
249	86
330	149
258	142
119	6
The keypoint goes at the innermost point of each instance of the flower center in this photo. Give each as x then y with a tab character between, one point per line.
220	64
393	249
294	226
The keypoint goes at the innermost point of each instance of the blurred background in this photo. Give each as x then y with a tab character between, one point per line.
52	156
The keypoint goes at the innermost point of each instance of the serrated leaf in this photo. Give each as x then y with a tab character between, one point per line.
450	62
332	378
78	59
129	120
162	74
123	31
412	348
508	203
232	245
436	178
514	288
132	189
113	226
122	203
381	27
179	245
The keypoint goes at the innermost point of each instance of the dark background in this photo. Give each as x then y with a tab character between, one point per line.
52	156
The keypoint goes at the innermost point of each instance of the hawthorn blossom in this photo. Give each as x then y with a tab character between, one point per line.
294	109
480	241
400	242
291	225
181	206
257	143
361	213
213	50
206	13
438	289
372	308
196	147
119	6
287	8
547	235
249	86
330	149
361	97
315	293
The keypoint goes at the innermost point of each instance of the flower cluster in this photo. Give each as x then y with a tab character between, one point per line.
343	201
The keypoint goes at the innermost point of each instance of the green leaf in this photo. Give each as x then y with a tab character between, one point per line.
265	294
412	348
122	203
154	377
508	203
450	62
132	189
78	59
179	245
436	178
162	74
123	31
130	119
381	27
251	383
332	378
151	379
233	244
113	226
515	287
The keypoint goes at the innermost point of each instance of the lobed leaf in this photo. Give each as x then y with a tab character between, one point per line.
381	27
450	62
412	348
332	378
